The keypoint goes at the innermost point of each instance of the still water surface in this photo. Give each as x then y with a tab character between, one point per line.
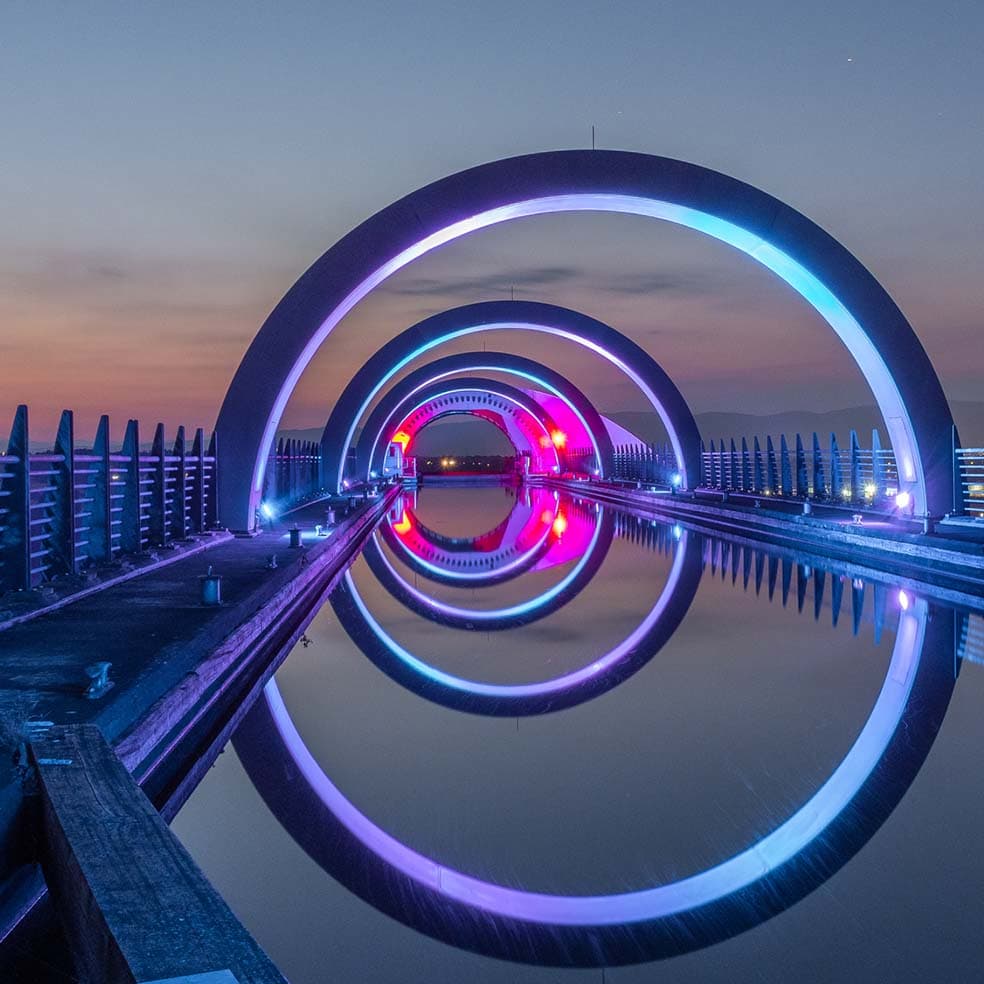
567	700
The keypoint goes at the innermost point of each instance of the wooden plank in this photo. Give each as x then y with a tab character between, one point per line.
135	906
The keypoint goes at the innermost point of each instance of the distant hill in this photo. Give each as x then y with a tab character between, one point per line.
455	435
969	417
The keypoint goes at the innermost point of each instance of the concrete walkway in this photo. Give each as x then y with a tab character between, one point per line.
167	649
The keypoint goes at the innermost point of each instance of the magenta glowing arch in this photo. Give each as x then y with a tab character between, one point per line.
516	414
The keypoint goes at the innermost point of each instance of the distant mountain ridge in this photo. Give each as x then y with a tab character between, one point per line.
716	425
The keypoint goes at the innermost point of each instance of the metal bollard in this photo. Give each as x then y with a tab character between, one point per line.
99	682
295	537
211	585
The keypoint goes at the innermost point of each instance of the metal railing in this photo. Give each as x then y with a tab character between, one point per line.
651	464
852	475
292	474
64	509
969	466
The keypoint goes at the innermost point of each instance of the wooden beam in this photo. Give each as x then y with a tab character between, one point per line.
135	906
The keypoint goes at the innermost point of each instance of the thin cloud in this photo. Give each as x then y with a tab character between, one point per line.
527	280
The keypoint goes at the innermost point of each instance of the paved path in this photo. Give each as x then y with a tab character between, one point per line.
163	644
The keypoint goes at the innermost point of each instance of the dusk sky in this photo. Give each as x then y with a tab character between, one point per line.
167	171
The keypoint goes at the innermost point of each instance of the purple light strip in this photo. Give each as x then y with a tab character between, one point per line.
661	901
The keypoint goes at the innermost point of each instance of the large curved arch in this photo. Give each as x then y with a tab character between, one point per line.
600	338
525	423
819	268
541	376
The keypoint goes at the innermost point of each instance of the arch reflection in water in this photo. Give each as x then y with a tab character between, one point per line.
512	548
603	673
768	876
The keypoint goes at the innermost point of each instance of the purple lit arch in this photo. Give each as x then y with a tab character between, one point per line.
833	281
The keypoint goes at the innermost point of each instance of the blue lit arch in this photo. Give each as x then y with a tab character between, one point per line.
827	275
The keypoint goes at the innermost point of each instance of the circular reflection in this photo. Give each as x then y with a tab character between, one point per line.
457	617
667	919
514	547
543	696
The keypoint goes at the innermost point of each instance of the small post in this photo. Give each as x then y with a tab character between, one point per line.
958	488
63	541
877	462
772	465
211	585
210	480
196	498
158	496
802	481
101	521
836	476
785	467
16	537
131	519
179	494
857	479
819	482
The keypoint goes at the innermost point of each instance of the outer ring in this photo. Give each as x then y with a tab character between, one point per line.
847	296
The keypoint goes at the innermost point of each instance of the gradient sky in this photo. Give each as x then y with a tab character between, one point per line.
168	170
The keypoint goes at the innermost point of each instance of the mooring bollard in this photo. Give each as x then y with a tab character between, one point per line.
295	536
807	508
330	517
99	682
271	564
211	588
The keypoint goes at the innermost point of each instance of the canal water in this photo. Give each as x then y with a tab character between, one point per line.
529	736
